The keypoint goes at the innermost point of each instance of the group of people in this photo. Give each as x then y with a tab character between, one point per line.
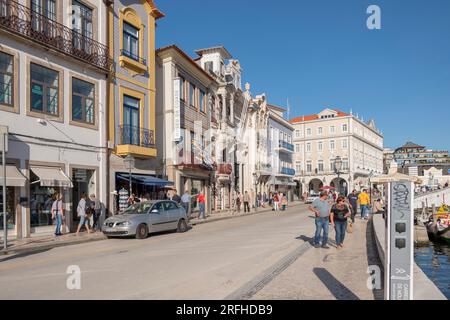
339	212
278	200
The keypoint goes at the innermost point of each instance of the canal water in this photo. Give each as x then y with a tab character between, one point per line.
434	260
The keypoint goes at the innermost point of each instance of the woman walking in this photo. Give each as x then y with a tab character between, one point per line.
276	201
339	214
58	214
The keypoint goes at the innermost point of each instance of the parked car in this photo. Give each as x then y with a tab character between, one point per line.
147	217
311	198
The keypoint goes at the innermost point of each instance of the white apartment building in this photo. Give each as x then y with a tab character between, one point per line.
53	92
322	138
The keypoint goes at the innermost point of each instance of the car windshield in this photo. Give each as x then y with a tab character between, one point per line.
138	208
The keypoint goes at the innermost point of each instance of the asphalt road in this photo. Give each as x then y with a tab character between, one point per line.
229	259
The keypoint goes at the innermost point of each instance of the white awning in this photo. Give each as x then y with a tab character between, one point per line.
14	178
52	177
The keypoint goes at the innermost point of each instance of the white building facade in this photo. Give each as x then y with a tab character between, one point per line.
53	99
322	138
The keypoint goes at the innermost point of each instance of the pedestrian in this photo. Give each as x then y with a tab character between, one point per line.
276	202
238	202
83	213
186	203
364	201
378	207
284	202
97	211
176	197
339	214
353	201
246	199
58	213
201	204
131	200
322	210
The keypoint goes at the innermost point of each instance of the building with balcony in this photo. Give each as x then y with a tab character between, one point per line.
185	94
321	138
228	116
281	151
132	97
54	66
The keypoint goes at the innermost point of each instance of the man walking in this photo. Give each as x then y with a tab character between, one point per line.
364	202
201	204
96	206
322	209
246	202
353	201
186	203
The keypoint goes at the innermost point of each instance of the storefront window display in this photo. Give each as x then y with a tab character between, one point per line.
83	182
10	208
41	202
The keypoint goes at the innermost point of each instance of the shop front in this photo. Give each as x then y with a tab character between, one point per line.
45	184
84	182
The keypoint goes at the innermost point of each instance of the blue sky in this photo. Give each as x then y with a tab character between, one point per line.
319	53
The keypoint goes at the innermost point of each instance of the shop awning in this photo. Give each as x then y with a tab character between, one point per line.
145	180
52	177
14	178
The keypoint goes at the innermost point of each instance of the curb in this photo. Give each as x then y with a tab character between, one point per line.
48	246
239	215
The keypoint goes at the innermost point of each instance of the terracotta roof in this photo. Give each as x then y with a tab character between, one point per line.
411	145
312	117
187	57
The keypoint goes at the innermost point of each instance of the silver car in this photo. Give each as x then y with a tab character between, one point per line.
147	217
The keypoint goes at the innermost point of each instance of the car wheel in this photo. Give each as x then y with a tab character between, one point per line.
182	226
142	231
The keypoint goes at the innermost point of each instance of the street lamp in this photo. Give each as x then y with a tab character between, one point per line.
129	163
337	170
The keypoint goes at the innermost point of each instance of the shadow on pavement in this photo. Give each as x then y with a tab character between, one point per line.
374	259
22	255
338	290
305	238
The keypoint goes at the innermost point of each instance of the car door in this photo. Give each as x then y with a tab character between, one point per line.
172	212
158	218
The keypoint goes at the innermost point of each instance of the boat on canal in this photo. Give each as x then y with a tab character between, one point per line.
438	227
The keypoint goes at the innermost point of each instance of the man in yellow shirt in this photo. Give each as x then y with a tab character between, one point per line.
364	202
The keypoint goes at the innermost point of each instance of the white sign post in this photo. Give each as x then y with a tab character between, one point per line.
176	110
4	149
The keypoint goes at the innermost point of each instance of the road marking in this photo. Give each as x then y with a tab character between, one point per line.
252	287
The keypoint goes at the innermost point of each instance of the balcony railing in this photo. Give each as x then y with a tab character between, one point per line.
136	136
130	55
286	145
287	171
23	21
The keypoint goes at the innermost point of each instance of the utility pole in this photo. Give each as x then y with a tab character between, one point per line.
4	149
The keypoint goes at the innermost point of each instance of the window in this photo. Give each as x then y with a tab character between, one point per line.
83	101
332	129
320	165
6	79
344	128
345	164
297	133
308	147
298	167
332	165
320	146
344	144
81	25
169	206
297	148
41	9
202	101
309	166
308	131
182	84
332	144
130	41
319	130
131	120
209	66
191	95
44	89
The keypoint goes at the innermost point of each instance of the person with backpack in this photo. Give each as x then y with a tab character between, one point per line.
83	212
340	212
58	214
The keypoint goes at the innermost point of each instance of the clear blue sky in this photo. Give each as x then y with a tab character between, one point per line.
319	53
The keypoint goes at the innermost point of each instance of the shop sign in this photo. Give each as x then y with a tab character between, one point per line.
80	175
176	110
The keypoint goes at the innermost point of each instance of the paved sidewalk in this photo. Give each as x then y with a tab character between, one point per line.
47	242
230	215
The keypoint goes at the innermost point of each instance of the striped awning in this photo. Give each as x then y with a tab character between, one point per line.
52	177
14	178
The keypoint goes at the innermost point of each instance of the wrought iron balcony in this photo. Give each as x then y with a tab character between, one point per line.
287	171
136	136
130	55
22	21
286	145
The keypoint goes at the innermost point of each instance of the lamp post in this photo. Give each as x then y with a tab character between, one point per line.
4	149
255	181
337	170
370	185
129	163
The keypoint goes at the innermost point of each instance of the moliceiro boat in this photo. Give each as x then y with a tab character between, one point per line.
438	226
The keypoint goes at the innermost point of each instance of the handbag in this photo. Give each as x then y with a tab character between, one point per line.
350	227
